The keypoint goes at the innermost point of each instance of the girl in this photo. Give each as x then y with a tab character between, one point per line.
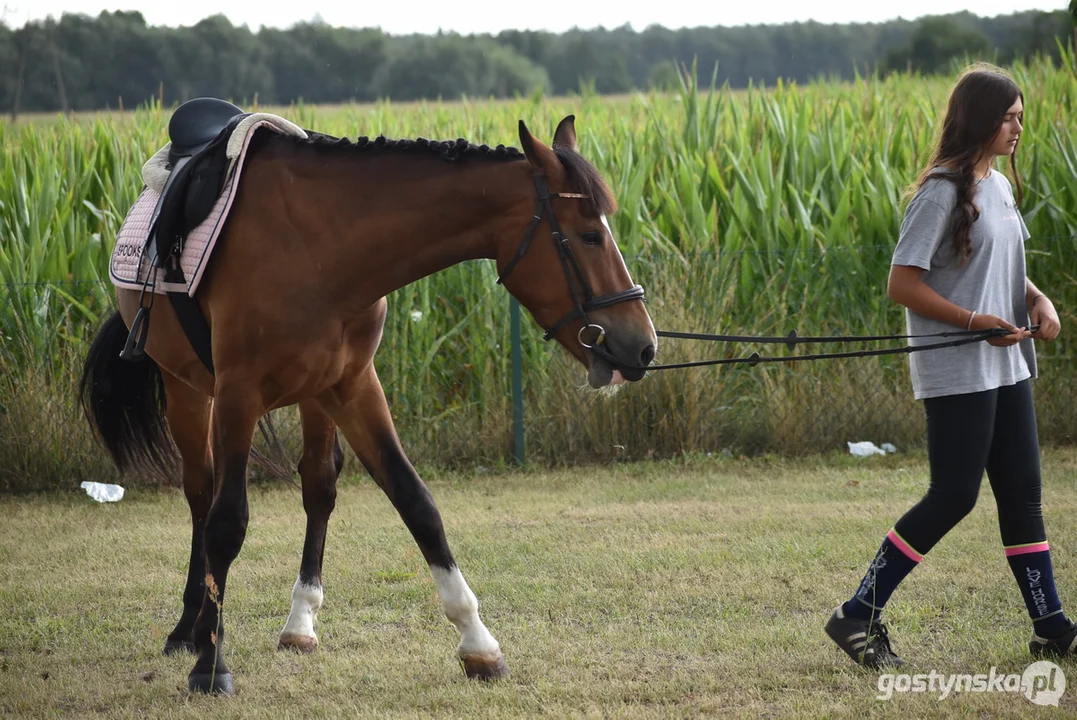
960	263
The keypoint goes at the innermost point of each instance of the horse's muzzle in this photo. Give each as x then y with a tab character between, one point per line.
615	356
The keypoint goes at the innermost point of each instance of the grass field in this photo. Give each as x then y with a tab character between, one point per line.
658	589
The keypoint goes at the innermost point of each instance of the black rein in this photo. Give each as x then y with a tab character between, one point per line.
792	340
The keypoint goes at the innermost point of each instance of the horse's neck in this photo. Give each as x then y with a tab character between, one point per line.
396	219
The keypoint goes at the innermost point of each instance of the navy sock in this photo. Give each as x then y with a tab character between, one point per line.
1031	566
892	563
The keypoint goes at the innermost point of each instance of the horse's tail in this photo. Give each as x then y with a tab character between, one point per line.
124	402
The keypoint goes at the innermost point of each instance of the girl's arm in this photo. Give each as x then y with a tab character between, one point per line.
1041	311
1032	293
905	287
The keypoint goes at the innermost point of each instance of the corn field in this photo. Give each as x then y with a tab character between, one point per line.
751	212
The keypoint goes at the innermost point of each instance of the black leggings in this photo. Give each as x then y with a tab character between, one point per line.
966	434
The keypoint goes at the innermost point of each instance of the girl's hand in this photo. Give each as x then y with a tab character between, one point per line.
990	322
1043	314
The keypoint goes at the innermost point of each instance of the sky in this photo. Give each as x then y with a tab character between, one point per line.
479	16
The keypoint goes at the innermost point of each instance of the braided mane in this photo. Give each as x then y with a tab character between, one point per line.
448	150
582	176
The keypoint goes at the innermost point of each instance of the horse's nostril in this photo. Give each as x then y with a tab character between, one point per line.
647	355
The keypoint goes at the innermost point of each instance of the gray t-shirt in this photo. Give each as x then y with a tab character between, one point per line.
991	282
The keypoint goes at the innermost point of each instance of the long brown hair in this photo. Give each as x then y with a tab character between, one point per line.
974	114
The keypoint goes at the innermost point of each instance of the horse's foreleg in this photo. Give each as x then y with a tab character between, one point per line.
188	421
235	415
322	460
359	407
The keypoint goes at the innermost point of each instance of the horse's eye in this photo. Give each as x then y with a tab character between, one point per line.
591	238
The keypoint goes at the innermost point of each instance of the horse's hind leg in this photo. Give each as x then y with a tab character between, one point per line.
188	420
322	460
358	406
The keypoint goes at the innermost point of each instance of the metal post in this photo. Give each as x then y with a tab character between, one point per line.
517	383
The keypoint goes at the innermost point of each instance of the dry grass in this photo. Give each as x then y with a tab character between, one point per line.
671	589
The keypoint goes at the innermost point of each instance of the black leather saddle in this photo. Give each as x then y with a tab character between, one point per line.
196	123
198	164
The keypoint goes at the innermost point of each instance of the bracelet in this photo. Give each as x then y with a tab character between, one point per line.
1033	304
972	314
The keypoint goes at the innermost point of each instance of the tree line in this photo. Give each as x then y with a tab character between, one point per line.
84	63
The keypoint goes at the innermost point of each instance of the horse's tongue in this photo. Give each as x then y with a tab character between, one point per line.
617	378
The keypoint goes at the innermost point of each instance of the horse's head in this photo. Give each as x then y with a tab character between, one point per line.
567	271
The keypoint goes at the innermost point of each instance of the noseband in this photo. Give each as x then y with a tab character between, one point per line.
583	300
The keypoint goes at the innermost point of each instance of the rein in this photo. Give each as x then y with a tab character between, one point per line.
792	340
583	300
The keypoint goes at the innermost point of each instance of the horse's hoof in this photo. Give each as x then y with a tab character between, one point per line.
173	647
211	683
299	643
485	667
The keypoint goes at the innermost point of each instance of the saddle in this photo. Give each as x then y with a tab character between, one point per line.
198	167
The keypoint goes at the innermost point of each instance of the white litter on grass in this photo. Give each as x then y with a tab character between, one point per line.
102	492
868	448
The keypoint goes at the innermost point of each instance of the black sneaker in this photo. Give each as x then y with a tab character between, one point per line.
1062	646
867	643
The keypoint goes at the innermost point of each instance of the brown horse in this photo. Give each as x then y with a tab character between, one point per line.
320	232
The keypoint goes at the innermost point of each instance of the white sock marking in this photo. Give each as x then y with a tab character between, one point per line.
306	601
462	608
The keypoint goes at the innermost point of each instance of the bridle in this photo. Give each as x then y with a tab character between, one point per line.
583	299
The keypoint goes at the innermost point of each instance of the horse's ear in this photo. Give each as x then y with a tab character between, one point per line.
527	142
566	133
540	156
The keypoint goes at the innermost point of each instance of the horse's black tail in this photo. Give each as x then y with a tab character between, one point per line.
124	402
